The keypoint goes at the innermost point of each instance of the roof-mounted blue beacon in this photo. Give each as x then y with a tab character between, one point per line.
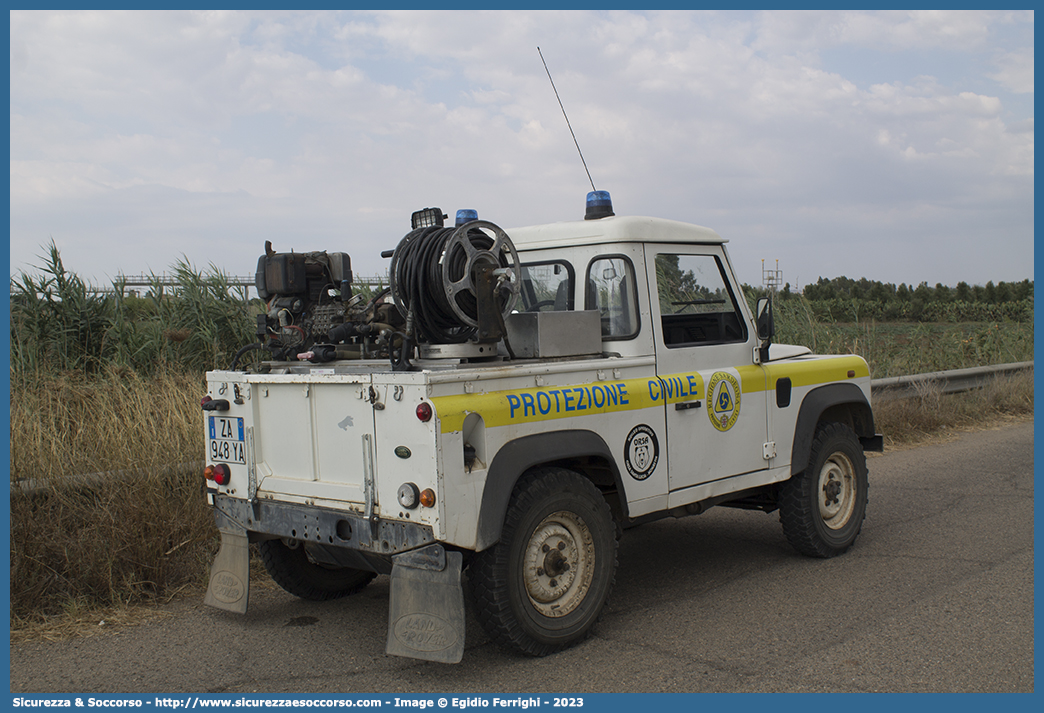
599	205
466	215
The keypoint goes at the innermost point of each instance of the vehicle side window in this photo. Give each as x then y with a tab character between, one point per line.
611	291
696	304
547	286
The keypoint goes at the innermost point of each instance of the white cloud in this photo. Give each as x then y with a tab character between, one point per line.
1015	71
791	32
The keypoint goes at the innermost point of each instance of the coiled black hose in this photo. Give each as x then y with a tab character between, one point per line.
417	285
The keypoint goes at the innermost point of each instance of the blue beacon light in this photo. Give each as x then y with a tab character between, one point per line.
599	205
465	215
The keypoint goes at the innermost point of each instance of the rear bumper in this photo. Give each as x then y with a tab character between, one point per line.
320	526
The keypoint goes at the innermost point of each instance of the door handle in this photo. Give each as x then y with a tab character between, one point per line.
681	406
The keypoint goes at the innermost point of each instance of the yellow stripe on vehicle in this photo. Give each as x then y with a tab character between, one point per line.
752	378
545	403
817	371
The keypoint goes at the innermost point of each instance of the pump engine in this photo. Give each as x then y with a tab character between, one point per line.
447	286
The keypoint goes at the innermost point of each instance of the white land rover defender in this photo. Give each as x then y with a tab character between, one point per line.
504	410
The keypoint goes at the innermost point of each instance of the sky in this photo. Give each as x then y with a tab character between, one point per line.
893	145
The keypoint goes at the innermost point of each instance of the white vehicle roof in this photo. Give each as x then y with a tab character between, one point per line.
614	229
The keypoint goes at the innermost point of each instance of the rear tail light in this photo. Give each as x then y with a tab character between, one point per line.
424	411
219	473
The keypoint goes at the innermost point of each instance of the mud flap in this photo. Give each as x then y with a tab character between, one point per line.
230	574
426	615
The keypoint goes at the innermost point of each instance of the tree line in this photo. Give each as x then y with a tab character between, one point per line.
846	288
843	299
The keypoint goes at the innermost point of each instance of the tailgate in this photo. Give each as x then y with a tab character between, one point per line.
311	434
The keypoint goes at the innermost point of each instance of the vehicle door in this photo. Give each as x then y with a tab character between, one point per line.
713	392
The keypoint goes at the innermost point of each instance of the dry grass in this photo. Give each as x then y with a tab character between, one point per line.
134	536
70	424
115	544
932	414
79	619
80	622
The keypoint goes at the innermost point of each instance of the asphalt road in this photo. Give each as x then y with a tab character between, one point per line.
937	595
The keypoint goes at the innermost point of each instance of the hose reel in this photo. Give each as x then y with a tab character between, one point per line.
455	285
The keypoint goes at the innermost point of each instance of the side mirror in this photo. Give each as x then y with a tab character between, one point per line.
765	322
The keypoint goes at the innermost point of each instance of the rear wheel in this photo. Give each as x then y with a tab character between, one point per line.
822	509
293	570
544	585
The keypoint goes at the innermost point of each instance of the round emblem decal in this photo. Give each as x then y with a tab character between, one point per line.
641	452
723	396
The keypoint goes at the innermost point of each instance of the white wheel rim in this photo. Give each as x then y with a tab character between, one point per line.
558	564
836	491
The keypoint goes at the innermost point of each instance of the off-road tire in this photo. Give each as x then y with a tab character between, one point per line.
545	584
292	570
822	508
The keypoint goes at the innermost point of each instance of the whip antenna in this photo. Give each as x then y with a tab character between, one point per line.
567	120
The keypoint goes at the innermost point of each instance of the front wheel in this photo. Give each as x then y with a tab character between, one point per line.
544	585
822	508
293	570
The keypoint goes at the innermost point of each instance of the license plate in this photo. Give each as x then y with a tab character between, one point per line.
226	440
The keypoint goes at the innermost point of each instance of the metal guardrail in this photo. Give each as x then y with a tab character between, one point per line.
896	387
948	382
133	283
33	486
234	280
